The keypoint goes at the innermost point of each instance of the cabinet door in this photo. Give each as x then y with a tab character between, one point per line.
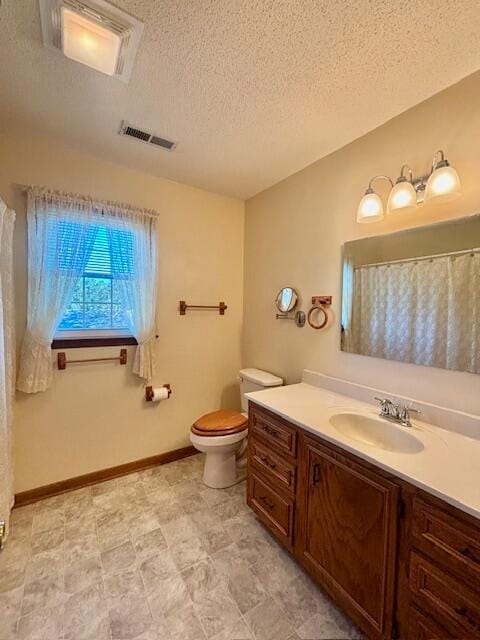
347	521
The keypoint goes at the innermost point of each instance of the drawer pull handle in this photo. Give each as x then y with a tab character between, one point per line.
468	553
267	462
463	611
270	431
316	474
267	502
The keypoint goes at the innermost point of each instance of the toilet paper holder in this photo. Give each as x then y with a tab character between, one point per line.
149	395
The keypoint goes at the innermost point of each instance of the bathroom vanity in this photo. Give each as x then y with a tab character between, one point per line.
399	560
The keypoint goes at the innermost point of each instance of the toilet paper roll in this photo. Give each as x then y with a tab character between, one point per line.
158	394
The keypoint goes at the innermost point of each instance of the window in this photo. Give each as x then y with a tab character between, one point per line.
97	309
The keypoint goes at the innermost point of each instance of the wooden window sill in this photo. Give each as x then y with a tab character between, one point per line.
81	343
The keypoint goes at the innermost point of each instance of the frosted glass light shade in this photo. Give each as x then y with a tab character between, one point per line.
370	208
402	198
90	43
443	185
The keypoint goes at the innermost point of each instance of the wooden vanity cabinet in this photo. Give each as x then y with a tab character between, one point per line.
346	529
398	561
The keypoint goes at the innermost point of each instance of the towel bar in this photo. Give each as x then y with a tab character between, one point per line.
62	359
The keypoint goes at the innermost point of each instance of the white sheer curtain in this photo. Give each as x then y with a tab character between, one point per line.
60	237
61	233
134	266
7	361
425	312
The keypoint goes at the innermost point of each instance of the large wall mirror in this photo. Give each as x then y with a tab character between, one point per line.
414	295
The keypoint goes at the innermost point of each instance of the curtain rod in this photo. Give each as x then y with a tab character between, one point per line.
437	255
97	203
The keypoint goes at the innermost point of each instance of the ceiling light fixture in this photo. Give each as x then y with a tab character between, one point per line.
92	32
440	185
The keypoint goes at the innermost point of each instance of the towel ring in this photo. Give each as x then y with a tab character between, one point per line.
320	303
325	317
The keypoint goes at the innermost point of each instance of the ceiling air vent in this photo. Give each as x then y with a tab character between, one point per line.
144	136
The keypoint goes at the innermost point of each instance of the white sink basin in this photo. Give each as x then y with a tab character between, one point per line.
376	432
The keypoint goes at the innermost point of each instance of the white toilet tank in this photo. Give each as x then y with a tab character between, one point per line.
256	380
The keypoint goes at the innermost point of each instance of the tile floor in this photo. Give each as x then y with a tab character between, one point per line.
155	555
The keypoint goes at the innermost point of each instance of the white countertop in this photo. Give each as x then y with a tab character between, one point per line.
448	466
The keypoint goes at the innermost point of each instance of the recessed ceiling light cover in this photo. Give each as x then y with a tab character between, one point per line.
92	32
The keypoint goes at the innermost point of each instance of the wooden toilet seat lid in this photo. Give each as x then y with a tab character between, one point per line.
219	423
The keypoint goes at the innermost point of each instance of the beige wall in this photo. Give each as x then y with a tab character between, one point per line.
94	416
294	233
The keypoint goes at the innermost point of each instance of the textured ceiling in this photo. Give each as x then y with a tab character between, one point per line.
252	90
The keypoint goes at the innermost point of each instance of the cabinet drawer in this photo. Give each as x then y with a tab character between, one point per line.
421	627
448	601
451	541
280	472
279	435
274	510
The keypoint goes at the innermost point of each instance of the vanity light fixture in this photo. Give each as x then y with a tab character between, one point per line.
440	185
370	208
403	196
92	32
443	184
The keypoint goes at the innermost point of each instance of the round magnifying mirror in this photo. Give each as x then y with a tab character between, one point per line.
286	299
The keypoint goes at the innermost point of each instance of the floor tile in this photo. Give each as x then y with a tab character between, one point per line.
120	585
184	624
298	601
46	520
245	588
201	578
149	544
143	522
10	604
213	496
46	591
45	624
275	569
167	510
129	617
215	539
268	621
83	573
230	559
81	547
321	627
239	631
230	509
157	569
48	540
44	564
86	616
217	611
119	558
13	576
178	530
168	596
81	526
188	552
8	628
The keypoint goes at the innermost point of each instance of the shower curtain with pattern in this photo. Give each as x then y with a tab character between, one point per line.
7	362
424	311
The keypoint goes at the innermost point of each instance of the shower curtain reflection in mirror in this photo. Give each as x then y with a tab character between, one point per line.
423	308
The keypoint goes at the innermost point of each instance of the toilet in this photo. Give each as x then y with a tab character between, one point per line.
222	434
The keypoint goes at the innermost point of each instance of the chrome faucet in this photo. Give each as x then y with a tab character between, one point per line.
400	414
